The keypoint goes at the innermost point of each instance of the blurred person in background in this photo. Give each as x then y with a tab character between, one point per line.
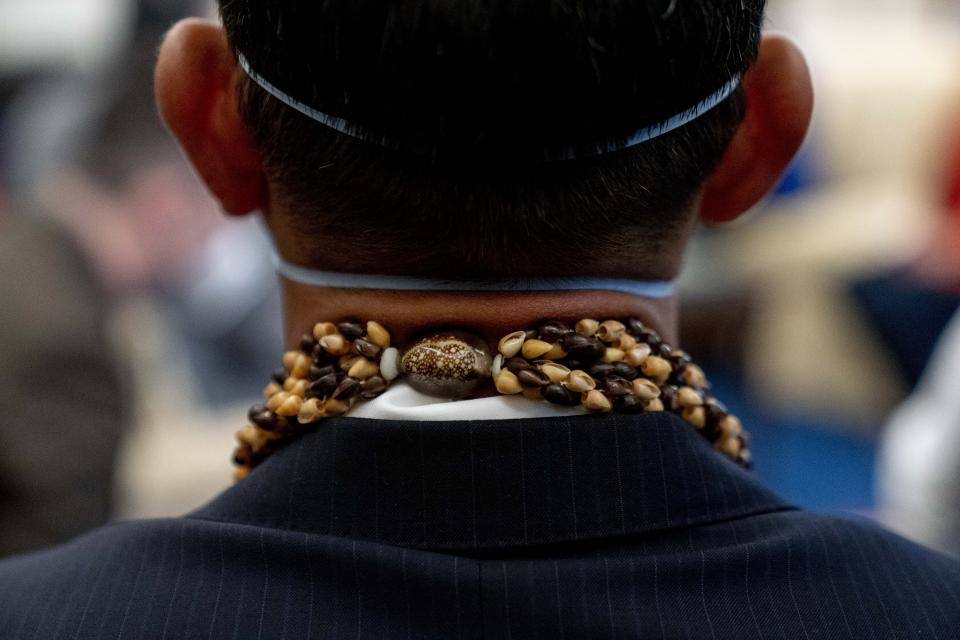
427	169
118	215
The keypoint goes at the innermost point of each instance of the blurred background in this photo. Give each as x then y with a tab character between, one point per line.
136	323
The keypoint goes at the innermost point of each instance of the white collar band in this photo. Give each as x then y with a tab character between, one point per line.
639	137
337	280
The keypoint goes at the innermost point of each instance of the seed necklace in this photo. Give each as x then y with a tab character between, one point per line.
620	366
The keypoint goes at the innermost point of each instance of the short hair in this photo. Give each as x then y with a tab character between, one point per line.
470	103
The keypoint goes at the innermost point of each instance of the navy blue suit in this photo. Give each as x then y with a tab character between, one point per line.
589	527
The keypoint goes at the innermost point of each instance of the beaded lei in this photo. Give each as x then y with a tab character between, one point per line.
604	366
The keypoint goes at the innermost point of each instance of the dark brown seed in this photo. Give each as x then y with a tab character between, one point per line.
321	356
367	349
553	331
583	348
348	388
373	387
243	455
350	330
531	334
516	365
629	404
602	370
680	359
318	372
615	387
558	394
533	378
324	386
712	431
664	351
280	376
650	337
668	396
635	327
715	413
268	420
307	343
624	370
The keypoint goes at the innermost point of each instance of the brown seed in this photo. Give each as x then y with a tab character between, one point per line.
347	361
507	383
266	419
511	344
583	348
276	400
288	383
558	394
596	401
325	386
348	388
311	411
336	407
271	390
307	343
645	390
688	397
290	407
655	405
251	436
367	349
626	342
580	382
556	372
373	387
299	389
534	349
696	416
301	366
731	427
656	368
533	378
378	335
587	327
613	355
553	330
350	330
635	356
611	330
533	393
335	344
556	353
616	387
363	369
693	376
289	358
730	446
323	329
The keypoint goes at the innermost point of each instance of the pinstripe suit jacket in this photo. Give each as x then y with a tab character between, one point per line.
589	527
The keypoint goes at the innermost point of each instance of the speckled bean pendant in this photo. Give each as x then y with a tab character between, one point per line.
448	364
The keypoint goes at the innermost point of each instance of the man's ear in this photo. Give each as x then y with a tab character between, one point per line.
780	104
195	87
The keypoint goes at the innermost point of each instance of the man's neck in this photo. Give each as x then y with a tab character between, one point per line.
490	315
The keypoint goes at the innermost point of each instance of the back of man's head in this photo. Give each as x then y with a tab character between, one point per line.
487	137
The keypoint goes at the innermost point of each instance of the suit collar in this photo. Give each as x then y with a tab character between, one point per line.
494	484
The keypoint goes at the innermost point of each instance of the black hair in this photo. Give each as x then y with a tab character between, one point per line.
473	104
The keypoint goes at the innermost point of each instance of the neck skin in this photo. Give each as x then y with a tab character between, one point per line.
490	315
